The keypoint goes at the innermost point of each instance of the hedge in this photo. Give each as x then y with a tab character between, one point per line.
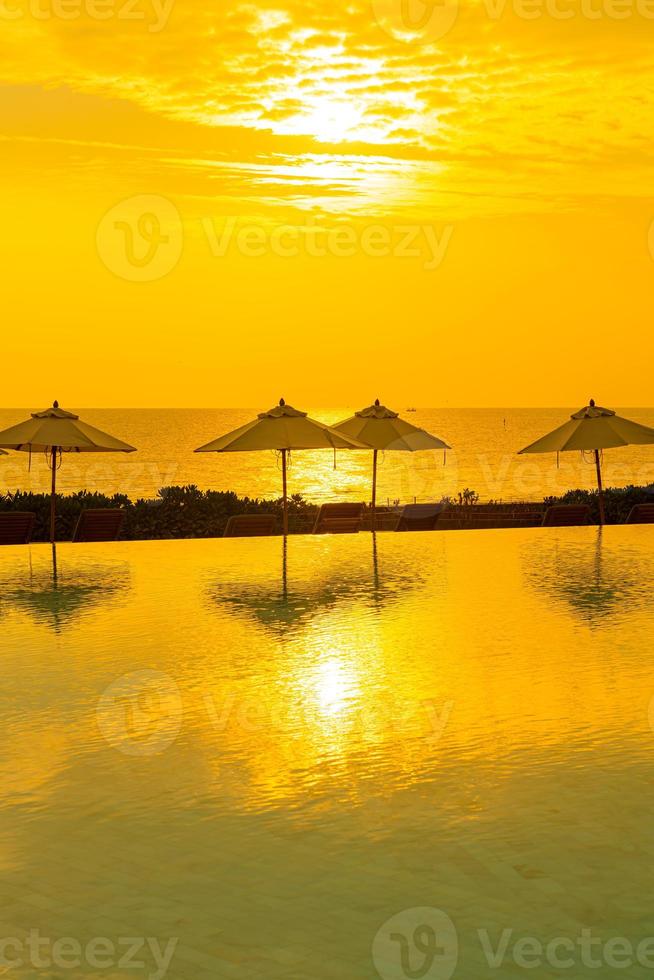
178	512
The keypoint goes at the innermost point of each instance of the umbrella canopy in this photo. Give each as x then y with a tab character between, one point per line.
593	429
381	429
57	428
54	432
283	429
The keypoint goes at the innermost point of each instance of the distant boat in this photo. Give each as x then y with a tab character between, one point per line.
412	409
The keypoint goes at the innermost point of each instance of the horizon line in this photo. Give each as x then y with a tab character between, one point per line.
220	408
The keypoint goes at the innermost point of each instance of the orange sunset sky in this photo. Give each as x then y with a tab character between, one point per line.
211	204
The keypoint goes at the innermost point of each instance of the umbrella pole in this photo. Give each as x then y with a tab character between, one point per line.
374	489
285	569
53	495
284	494
598	466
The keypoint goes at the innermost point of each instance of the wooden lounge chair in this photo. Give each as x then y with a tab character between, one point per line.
420	517
470	517
641	514
16	527
102	524
567	515
385	519
339	519
250	526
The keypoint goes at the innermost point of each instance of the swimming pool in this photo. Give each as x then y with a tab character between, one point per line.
425	756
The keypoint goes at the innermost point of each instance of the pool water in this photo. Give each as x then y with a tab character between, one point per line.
428	755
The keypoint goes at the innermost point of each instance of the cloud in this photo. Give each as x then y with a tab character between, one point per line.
260	81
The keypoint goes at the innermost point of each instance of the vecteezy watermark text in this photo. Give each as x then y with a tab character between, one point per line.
426	718
566	952
424	942
99	953
141	239
343	241
142	714
427	21
569	9
153	14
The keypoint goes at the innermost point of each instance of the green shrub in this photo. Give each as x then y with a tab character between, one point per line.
617	501
188	512
178	512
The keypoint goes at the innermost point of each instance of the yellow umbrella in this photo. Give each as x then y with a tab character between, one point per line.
591	430
381	429
282	429
55	431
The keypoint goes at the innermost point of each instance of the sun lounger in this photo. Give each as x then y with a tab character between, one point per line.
567	515
339	519
250	526
16	527
641	514
473	517
420	517
385	519
102	524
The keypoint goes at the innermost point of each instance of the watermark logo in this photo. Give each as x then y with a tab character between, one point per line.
141	713
430	476
421	21
141	238
416	944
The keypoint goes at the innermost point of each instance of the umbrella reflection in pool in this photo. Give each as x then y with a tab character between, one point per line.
56	596
291	603
595	581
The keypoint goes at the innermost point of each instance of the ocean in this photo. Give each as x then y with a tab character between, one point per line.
483	458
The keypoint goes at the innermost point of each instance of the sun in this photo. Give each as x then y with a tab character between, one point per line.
327	120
